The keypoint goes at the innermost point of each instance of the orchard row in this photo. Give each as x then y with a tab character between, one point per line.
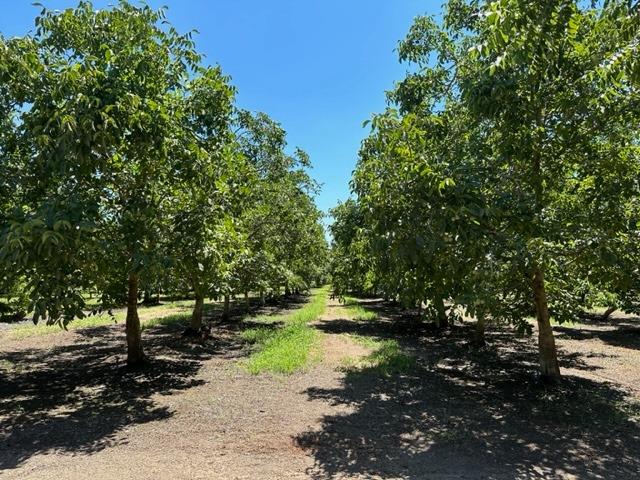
126	167
503	180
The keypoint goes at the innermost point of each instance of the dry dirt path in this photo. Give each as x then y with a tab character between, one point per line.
69	411
222	423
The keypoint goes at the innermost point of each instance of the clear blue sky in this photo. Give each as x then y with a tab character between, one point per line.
319	67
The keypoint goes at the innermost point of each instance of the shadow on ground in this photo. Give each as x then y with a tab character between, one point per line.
471	413
77	397
618	336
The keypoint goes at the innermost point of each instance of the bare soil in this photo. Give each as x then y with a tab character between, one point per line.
69	409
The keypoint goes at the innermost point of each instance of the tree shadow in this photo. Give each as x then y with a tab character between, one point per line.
618	336
238	309
466	412
77	398
617	318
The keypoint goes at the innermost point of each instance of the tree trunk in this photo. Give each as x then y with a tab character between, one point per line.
147	297
549	368
607	314
262	299
226	309
196	316
287	292
442	320
135	354
247	305
478	333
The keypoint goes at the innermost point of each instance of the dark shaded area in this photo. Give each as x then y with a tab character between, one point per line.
76	398
464	412
10	314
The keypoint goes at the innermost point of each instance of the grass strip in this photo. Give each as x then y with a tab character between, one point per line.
163	315
387	357
357	312
289	348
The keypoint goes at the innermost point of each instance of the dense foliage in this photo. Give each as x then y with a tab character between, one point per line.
503	179
125	166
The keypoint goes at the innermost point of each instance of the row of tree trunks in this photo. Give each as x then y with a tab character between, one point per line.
548	358
549	367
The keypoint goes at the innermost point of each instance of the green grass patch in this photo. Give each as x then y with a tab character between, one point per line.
357	312
566	323
166	320
10	367
289	348
387	357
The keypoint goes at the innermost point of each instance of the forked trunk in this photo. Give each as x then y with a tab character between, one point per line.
226	308
196	316
135	354
549	368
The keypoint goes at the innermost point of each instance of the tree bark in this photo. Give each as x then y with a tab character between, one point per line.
442	320
607	313
478	333
549	368
247	305
135	354
226	309
262	299
196	316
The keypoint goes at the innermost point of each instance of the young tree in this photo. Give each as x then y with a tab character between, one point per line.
351	259
213	183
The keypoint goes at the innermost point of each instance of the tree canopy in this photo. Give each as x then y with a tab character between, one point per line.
503	178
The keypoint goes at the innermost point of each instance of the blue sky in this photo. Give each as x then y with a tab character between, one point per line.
319	67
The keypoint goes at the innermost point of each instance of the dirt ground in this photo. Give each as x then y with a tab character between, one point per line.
70	410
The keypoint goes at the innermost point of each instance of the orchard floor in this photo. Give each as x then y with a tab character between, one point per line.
70	410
